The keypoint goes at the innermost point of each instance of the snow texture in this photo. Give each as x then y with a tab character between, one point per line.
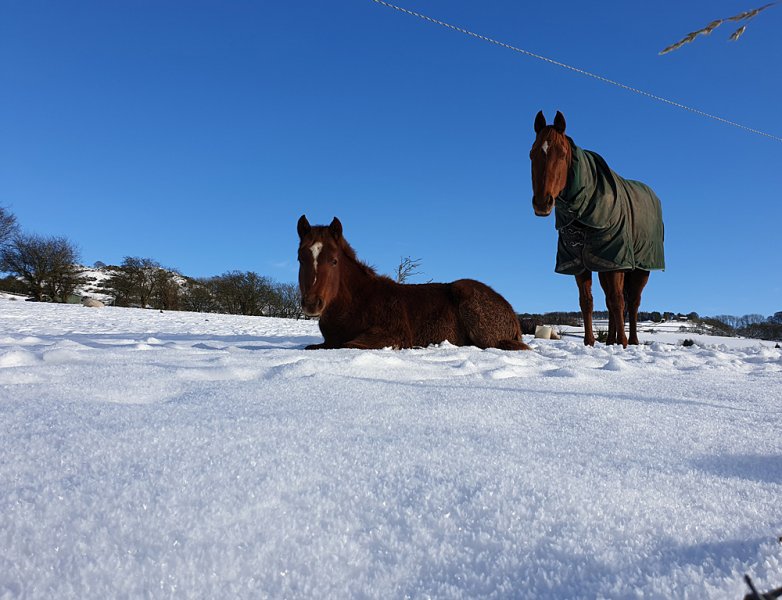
183	455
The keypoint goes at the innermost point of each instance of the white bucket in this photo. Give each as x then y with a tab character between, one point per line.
543	332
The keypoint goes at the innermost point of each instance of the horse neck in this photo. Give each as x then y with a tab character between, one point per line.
578	190
355	277
570	166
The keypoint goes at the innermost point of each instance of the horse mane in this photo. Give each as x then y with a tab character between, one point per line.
366	269
322	231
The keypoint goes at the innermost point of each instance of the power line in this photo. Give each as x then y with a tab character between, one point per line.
580	71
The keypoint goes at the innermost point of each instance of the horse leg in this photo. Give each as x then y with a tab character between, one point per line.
320	346
612	283
584	282
376	338
635	281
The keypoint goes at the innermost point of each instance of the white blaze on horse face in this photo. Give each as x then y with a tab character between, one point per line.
315	249
545	146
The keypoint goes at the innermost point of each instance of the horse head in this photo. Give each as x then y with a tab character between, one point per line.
320	251
550	156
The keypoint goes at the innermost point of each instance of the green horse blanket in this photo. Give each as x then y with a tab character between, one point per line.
606	222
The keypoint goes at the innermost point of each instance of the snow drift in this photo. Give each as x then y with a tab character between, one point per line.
149	454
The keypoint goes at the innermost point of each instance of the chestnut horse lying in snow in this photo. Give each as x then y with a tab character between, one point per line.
360	309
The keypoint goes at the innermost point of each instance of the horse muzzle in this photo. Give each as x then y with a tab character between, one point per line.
312	306
544	208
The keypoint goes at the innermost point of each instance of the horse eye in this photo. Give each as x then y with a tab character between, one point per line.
334	262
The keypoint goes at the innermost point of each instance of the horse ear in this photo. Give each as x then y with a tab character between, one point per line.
303	226
559	122
336	228
540	121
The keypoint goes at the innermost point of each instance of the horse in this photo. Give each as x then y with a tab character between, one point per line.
606	224
357	308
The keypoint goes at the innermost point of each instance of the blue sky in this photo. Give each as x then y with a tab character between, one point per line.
196	133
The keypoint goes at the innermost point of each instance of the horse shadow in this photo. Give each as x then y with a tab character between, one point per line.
102	341
715	558
753	467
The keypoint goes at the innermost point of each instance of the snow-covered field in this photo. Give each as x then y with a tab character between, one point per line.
158	455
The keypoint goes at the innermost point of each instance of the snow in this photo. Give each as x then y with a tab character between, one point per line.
149	454
672	332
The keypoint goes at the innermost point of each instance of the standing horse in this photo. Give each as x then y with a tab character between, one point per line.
360	309
606	224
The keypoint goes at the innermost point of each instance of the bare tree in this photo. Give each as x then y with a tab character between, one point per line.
242	293
198	297
134	281
46	265
407	269
166	291
744	17
286	301
237	292
8	226
64	281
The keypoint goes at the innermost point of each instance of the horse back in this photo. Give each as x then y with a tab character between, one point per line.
464	312
645	222
487	317
431	313
607	222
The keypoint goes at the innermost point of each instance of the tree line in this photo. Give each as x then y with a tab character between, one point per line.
751	326
144	282
47	269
